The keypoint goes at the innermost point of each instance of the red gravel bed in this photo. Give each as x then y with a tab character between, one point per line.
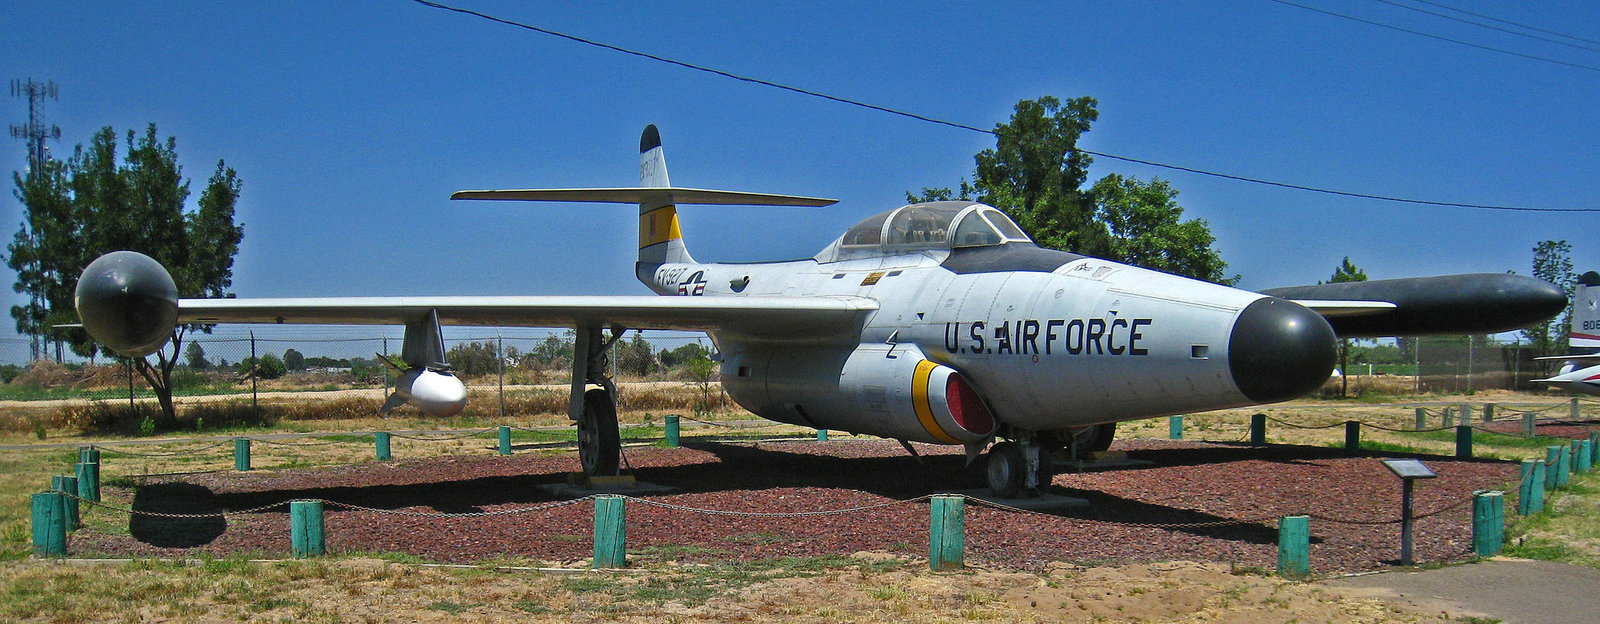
1195	489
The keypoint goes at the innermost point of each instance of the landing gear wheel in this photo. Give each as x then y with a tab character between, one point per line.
599	443
1092	439
1006	469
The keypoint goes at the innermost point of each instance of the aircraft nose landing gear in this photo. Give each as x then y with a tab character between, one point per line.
1020	468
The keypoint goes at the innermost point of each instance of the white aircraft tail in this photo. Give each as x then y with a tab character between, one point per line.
660	237
1586	314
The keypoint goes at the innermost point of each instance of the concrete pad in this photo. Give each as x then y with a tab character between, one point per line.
1045	503
1515	591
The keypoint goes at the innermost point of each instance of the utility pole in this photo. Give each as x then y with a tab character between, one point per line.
35	132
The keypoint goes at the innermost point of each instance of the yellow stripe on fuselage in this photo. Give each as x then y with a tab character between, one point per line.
659	226
919	402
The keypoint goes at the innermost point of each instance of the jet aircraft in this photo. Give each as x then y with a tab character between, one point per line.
1579	373
933	322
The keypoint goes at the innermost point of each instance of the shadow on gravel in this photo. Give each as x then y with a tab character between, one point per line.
176	498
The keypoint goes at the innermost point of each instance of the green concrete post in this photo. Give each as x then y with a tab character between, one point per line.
1527	424
306	529
1488	412
505	440
1563	465
1174	427
672	430
1530	499
1594	449
1294	546
1352	437
1573	409
822	435
1488	523
1551	454
382	439
947	533
1580	456
1466	413
610	532
1258	430
1586	455
88	455
88	482
49	524
68	485
241	454
1422	418
1448	420
1464	441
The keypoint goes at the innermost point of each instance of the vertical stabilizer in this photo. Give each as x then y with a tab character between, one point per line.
1586	314
660	238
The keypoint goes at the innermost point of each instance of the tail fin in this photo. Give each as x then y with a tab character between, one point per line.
1586	314
660	237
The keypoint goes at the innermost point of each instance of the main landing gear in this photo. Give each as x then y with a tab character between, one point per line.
595	409
1019	468
1024	465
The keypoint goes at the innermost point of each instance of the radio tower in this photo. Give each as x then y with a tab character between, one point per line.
35	132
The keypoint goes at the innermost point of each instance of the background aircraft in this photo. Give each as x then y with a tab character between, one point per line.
937	322
1580	373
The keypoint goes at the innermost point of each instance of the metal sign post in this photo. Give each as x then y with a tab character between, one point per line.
1409	470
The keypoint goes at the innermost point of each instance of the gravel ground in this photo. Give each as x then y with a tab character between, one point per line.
1220	503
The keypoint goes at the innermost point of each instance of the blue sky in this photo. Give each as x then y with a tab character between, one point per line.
351	122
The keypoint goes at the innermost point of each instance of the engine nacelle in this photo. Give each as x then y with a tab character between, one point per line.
128	302
892	391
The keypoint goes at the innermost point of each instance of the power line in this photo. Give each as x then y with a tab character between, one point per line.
1508	22
961	126
1440	38
1488	26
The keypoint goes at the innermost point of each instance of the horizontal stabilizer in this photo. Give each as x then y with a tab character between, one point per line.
1573	357
1480	303
661	196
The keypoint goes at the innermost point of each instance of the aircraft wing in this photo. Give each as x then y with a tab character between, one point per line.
1574	357
783	319
1481	303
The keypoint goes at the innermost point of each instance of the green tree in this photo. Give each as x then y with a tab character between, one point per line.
195	356
1551	263
634	356
96	203
1145	227
1346	272
473	359
270	367
554	352
294	360
1035	174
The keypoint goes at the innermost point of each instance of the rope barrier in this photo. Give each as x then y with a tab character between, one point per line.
279	443
172	454
1294	426
419	438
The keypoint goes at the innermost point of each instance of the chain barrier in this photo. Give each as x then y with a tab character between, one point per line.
463	436
776	514
173	516
1421	516
1139	525
1294	426
171	454
278	443
729	425
470	514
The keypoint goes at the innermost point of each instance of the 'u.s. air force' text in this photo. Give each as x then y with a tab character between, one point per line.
1095	336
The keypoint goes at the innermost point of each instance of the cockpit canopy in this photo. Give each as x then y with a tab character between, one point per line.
921	227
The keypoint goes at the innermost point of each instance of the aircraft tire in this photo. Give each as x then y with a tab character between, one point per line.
1102	437
1005	469
599	442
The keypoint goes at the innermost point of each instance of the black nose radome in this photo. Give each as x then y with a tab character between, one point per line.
128	302
1280	350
